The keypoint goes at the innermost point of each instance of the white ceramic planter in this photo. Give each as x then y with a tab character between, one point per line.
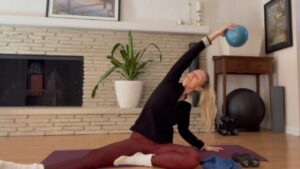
128	93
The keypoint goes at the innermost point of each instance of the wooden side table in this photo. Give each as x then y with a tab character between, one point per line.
249	65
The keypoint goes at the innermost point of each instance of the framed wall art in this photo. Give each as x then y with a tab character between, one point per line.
84	9
278	25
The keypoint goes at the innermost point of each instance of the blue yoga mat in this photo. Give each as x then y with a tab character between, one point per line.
229	150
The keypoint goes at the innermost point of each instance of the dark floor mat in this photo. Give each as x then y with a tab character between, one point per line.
61	155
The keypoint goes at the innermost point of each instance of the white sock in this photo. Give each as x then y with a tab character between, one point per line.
138	159
11	165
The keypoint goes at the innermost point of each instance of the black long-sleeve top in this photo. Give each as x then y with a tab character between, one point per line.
163	110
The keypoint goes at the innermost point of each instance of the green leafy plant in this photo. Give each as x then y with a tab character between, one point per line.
127	63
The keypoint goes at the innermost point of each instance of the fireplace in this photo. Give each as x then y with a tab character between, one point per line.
41	80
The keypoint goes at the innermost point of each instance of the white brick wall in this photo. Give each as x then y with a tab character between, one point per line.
93	45
103	121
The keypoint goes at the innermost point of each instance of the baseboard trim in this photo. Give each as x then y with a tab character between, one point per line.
293	131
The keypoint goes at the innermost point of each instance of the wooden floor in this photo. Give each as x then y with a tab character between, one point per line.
282	151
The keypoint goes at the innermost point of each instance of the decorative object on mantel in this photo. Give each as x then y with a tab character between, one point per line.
278	25
84	9
129	66
190	21
180	22
199	13
198	7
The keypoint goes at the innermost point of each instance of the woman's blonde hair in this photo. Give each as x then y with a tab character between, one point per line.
205	84
208	108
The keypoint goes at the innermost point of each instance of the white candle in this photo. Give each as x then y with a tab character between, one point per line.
198	5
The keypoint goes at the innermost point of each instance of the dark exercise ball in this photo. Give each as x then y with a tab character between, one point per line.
247	108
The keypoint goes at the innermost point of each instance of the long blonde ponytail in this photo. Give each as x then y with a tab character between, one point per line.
208	108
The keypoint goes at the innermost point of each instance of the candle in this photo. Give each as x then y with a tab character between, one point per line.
198	5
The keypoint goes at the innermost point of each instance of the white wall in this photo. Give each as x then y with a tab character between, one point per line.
24	7
220	12
298	55
131	10
287	73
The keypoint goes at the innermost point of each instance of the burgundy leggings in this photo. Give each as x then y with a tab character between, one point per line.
170	156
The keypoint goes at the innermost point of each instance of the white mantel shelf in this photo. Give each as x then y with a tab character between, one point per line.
105	25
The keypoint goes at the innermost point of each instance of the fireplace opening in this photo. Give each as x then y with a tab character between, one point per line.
37	80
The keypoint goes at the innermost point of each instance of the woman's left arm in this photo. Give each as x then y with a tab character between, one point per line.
183	123
211	148
220	31
184	109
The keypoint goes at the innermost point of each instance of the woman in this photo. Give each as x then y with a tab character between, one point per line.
150	144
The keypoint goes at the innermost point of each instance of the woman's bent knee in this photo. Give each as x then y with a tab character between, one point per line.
191	159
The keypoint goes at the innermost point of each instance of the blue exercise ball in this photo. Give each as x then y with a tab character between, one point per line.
236	36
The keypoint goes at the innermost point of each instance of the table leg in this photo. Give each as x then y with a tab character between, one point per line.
224	107
270	79
257	84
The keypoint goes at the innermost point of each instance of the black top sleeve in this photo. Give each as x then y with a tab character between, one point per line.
184	62
183	129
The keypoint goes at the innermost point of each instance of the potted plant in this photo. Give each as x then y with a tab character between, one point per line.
128	63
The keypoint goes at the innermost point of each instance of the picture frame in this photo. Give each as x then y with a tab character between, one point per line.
278	25
84	9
